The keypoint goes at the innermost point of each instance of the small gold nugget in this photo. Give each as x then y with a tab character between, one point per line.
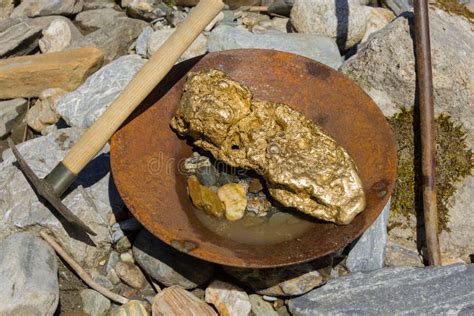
304	167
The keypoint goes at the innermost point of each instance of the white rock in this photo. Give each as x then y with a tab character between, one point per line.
142	42
343	20
34	8
56	37
43	113
197	48
83	106
28	276
377	19
228	299
20	208
11	112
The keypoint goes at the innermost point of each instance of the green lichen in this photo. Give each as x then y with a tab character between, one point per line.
453	163
455	7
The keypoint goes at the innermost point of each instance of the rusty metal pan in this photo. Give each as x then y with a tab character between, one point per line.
146	154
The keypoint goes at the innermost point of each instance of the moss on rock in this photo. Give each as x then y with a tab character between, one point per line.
455	7
453	163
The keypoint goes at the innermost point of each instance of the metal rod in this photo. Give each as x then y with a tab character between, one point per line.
428	163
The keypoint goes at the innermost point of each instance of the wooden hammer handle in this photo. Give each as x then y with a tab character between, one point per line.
94	139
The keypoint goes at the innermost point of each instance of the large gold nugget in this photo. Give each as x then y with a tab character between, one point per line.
303	166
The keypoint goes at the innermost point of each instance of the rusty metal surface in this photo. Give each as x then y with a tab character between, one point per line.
427	129
146	155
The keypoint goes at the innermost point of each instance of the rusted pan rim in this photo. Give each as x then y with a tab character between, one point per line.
145	155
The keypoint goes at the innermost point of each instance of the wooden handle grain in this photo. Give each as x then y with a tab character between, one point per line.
94	139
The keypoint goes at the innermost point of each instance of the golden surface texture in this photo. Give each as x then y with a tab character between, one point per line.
304	167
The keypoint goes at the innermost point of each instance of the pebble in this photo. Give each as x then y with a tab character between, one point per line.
123	245
43	113
56	37
175	17
94	303
127	257
113	277
376	20
11	112
131	275
205	198
233	195
207	175
228	299
175	301
102	280
269	298
132	308
34	8
114	257
261	307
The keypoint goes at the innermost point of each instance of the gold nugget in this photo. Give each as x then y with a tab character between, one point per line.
303	166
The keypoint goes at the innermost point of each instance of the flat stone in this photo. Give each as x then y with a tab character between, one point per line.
167	265
175	301
83	106
319	48
92	197
91	20
11	111
287	281
114	38
34	8
130	274
18	36
28	76
28	275
368	252
342	20
401	291
261	307
197	48
43	113
228	299
95	304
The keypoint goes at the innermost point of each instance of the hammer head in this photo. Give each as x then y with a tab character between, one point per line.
46	190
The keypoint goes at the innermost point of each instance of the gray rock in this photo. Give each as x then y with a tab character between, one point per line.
123	245
286	281
92	197
197	48
131	275
95	304
114	38
11	112
261	307
141	44
147	10
112	261
34	8
28	275
18	36
368	252
175	17
167	265
400	256
281	7
98	4
102	280
343	20
385	68
207	175
400	291
92	20
58	35
83	106
399	6
128	225
319	48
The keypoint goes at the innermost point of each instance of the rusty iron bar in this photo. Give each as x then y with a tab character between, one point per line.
428	155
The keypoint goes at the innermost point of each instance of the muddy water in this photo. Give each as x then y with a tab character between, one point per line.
276	228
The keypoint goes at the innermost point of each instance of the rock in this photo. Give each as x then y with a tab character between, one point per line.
258	205
195	162
18	36
28	275
132	308
385	68
22	210
207	175
167	265
114	258
228	299
103	281
98	4
197	48
175	17
95	304
260	307
123	244
205	198
368	252
6	8
141	45
233	195
319	48
399	6
28	76
343	20
147	10
43	113
34	8
287	281
56	37
400	256
175	301
280	24
92	20
130	274
281	7
402	290
376	20
216	20
127	257
11	112
82	107
255	185
114	38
